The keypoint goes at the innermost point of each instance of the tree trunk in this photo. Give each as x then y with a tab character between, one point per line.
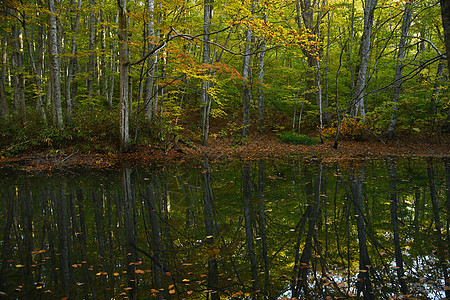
55	68
124	76
364	52
75	21
92	56
148	91
246	88
445	12
39	104
4	109
204	97
261	81
390	132
18	76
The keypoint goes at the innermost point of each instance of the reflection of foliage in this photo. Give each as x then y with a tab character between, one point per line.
172	197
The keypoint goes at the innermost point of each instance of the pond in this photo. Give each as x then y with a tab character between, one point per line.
373	229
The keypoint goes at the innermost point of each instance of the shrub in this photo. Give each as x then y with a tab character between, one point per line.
290	137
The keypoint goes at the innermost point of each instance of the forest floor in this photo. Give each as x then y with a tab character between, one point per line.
256	146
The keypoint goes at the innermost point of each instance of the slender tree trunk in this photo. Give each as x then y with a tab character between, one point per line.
75	21
149	90
92	56
204	97
55	67
103	74
246	88
364	52
4	109
390	132
124	76
39	104
261	82
18	76
113	66
445	13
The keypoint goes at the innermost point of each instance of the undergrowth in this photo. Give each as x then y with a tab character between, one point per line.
290	137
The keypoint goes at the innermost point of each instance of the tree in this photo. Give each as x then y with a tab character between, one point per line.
124	76
398	69
204	97
358	107
55	67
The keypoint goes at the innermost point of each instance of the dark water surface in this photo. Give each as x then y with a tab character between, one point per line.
242	230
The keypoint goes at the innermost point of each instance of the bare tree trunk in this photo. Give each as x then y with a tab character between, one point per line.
204	97
149	89
75	21
103	76
124	76
39	103
55	67
113	67
92	56
364	52
261	81
390	132
4	109
18	76
246	88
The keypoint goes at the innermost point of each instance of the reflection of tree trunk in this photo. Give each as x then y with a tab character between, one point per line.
437	222
79	234
247	197
213	274
313	198
8	201
64	238
155	237
97	203
262	225
26	205
130	236
364	285
395	229
447	176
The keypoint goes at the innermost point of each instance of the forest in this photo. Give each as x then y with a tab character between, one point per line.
109	75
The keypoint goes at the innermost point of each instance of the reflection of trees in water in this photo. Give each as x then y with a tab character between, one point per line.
315	231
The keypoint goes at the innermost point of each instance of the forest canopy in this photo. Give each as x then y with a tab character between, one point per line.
142	72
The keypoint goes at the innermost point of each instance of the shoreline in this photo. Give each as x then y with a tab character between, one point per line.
257	147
